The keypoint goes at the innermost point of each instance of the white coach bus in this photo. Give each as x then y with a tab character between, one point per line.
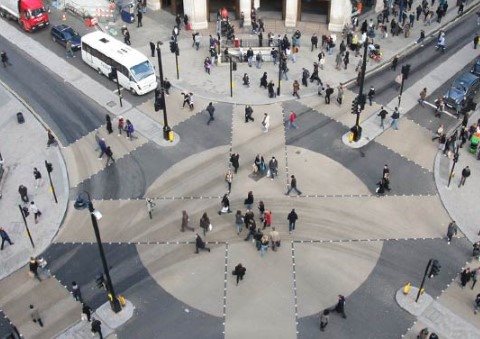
135	72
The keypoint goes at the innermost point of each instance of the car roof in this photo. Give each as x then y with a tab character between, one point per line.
61	27
466	78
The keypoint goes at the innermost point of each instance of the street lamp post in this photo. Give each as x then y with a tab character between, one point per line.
455	160
166	128
26	226
231	75
279	68
81	203
404	73
359	101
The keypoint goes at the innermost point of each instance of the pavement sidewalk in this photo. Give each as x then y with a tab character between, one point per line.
23	147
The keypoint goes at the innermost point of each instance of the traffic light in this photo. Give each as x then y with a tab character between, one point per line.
355	104
405	71
173	48
362	100
100	280
434	269
113	74
49	166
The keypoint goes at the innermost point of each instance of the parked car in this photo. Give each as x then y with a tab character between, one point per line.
460	95
64	33
476	68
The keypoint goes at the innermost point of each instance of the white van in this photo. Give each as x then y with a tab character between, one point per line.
135	72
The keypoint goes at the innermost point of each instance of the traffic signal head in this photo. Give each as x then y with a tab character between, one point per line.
49	166
434	269
113	74
355	104
100	280
405	71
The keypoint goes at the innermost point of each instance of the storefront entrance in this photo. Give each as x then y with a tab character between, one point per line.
173	6
314	10
232	6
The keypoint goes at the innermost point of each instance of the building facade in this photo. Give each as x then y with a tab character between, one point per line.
335	13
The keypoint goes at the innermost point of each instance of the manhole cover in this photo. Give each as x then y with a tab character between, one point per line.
111	104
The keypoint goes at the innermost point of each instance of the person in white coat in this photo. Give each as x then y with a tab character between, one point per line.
266	122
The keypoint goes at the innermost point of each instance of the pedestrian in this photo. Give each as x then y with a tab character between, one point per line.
200	244
250	55
474	276
87	311
258	60
248	202
185	220
109	154
314	41
248	113
419	11
69	50
120	125
166	86
239	272
394	63
292	219
271	89
465	175
324	319
296	88
130	130
126	37
439	107
423	95
476	304
35	315
340	92
152	48
340	307
267	219
5	237
292	118
97	324
421	38
103	147
338	61
4	58
33	268
50	138
460	8
386	177
465	277
273	168
229	179
328	92
451	231
239	220
263	80
234	160
371	94
293	185
38	177
225	205
346	59
139	18
250	225
382	114
22	190
108	124
476	39
305	76
210	109
205	223
77	294
35	211
266	122
395	117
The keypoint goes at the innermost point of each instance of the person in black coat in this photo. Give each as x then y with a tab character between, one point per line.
239	272
200	244
234	160
109	124
292	219
263	80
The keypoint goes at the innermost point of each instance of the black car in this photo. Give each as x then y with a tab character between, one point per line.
462	92
64	33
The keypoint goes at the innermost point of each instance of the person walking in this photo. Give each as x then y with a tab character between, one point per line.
371	94
185	220
346	59
130	129
296	88
273	168
465	277
452	230
314	41
69	50
87	311
109	154
51	138
5	237
108	124
229	179
205	223
234	160
152	49
239	220
293	186
263	80
35	211
292	219
22	190
4	58
97	324
35	316
465	175
266	122
394	63
423	95
239	272
248	114
38	177
258	60
395	117
139	18
33	268
126	37
103	147
200	244
305	76
275	239
248	202
225	205
340	92
77	294
340	306
210	109
328	93
292	118
324	319
120	125
386	177
382	114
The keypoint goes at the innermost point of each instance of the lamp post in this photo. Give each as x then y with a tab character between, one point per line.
231	75
455	160
166	128
359	101
405	71
82	203
279	67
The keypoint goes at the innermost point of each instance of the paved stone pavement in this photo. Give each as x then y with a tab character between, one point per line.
23	148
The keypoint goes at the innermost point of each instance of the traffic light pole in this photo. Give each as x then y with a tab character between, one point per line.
423	280
231	76
118	87
166	128
114	303
49	168
401	91
26	226
362	80
455	160
176	64
279	69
